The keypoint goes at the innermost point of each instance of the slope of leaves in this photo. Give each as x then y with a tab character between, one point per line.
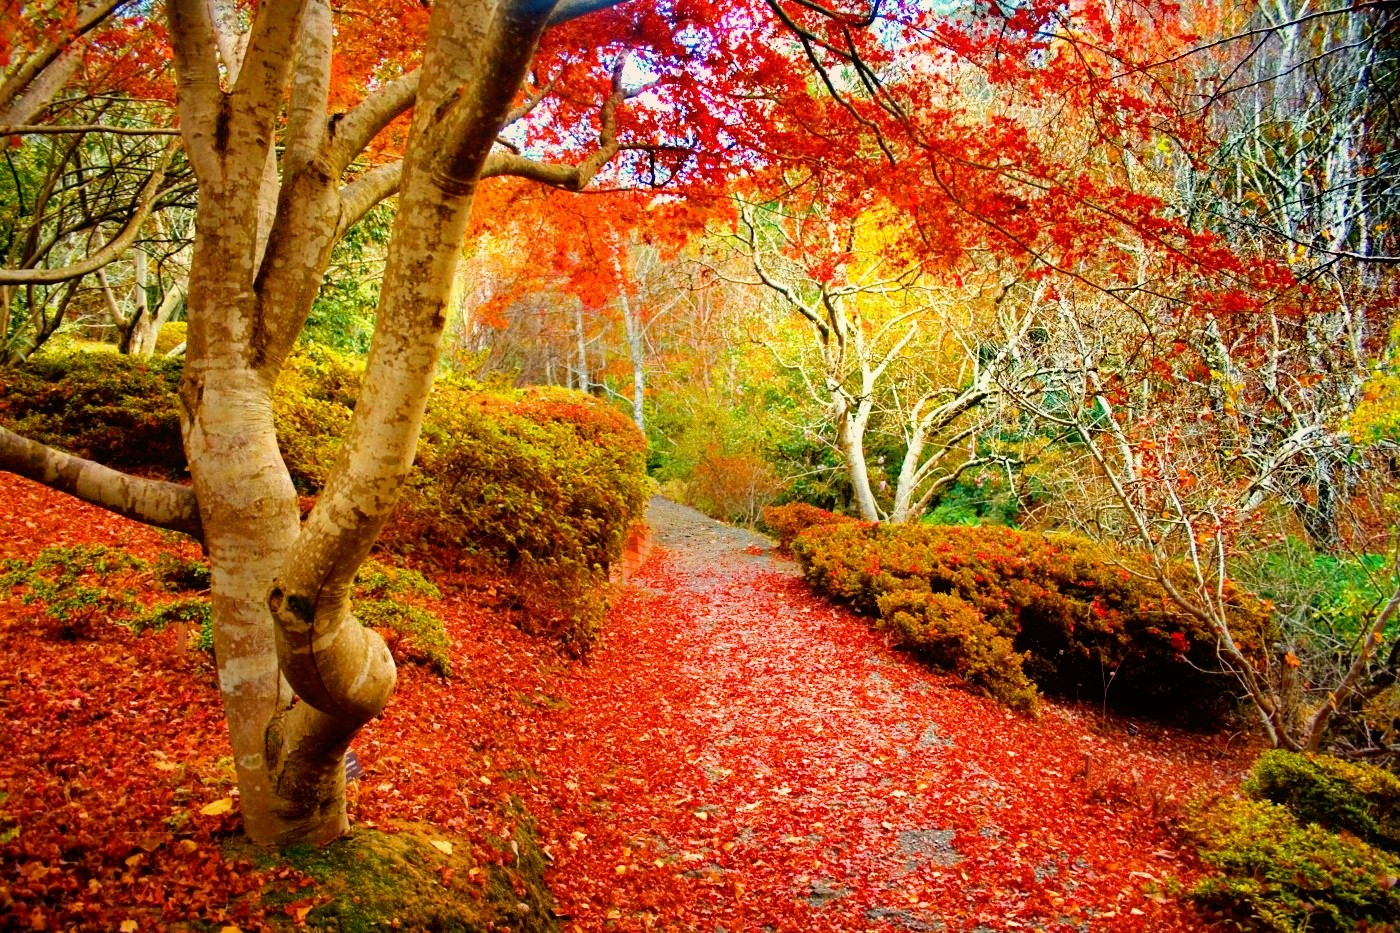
736	753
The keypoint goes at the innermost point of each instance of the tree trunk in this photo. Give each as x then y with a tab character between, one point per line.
298	673
905	505
139	324
636	351
851	437
581	348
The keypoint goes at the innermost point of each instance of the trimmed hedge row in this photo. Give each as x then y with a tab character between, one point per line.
1012	611
786	522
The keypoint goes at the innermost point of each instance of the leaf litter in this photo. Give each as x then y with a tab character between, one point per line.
736	755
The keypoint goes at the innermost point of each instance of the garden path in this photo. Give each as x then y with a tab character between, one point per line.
736	755
741	755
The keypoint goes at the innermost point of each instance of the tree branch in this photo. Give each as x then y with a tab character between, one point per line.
36	63
199	96
151	502
362	194
145	203
46	130
311	83
354	131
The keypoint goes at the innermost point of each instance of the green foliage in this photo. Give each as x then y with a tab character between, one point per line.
1333	597
985	498
342	317
178	574
311	412
1080	624
789	521
1338	795
542	483
67	583
118	410
414	634
1282	876
196	612
952	634
716	458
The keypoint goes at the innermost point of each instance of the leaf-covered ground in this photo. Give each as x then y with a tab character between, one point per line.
737	755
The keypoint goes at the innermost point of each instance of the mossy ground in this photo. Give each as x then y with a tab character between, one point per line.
404	878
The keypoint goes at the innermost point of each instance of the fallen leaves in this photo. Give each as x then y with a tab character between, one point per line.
774	750
217	808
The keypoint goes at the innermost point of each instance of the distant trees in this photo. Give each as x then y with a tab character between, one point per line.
884	340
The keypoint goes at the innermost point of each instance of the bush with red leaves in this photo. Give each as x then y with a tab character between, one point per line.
1081	625
789	521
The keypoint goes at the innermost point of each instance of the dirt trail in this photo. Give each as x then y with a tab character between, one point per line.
740	755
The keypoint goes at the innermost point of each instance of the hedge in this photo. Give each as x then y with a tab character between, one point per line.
1013	611
540	483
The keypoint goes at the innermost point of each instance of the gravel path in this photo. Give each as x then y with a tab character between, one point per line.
706	549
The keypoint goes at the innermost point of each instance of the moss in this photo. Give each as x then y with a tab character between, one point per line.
370	880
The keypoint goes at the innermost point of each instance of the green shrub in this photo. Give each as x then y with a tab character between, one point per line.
1279	875
1083	625
118	410
196	612
953	634
789	521
547	473
413	633
176	574
542	483
311	411
1337	795
68	584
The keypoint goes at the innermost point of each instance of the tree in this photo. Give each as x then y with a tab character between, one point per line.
866	306
1168	454
91	167
298	674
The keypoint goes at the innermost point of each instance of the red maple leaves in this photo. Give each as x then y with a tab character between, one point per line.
737	753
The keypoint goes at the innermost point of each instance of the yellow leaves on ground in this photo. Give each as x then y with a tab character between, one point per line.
217	808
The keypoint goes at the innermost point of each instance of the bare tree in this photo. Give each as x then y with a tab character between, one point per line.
862	323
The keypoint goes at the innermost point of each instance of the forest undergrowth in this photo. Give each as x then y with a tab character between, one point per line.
735	754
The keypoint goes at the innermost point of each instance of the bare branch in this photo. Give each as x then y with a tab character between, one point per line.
46	130
354	131
362	194
145	203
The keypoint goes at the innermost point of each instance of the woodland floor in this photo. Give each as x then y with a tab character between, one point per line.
737	755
